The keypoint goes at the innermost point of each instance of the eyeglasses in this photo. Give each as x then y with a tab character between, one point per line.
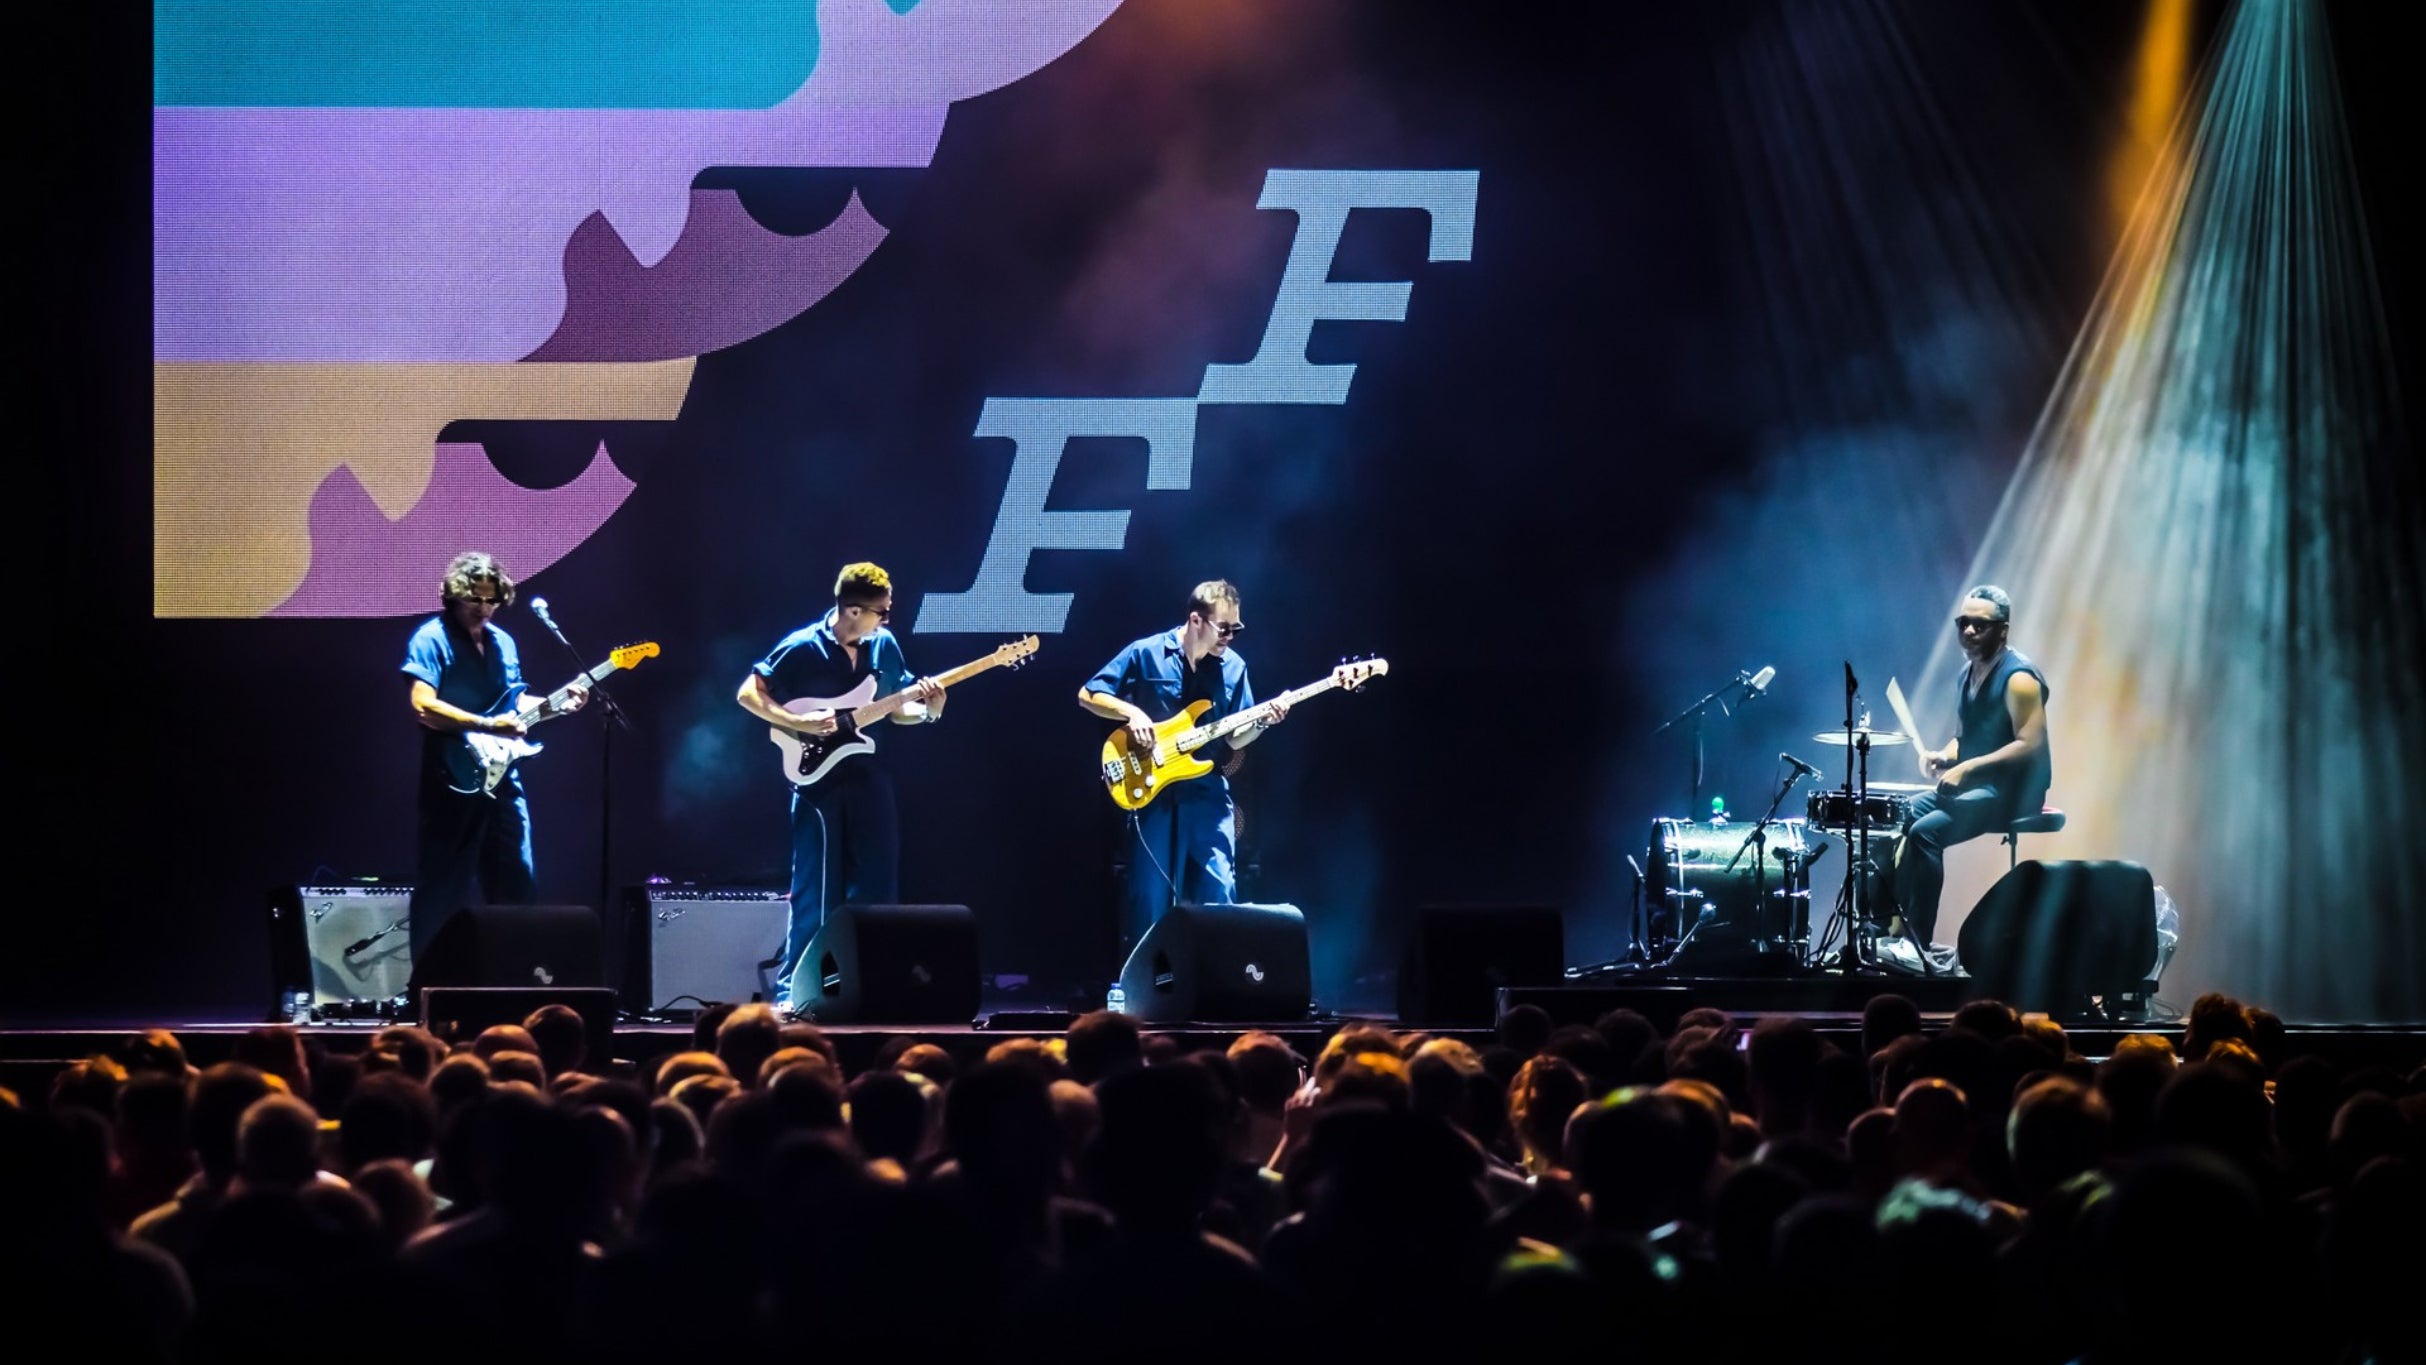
880	613
490	602
1961	622
1226	629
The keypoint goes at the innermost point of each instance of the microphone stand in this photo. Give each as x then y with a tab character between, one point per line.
1757	842
1717	697
614	719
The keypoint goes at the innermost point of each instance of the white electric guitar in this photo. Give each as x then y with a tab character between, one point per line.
806	757
482	760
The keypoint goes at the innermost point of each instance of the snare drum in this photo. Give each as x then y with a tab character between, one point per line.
1888	806
1753	905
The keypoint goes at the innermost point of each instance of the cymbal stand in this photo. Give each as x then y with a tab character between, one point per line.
1853	903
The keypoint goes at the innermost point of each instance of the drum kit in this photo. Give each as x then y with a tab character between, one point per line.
1731	898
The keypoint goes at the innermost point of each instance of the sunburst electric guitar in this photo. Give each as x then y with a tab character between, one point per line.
1135	777
807	758
482	760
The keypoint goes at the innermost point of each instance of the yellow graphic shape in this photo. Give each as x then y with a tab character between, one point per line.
239	450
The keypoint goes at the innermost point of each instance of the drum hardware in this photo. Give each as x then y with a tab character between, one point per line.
1854	806
1887	805
1742	688
1797	938
1876	739
1698	882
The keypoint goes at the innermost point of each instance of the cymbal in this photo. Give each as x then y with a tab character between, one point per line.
1879	739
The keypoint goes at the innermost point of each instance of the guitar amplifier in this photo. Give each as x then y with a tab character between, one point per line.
689	947
343	944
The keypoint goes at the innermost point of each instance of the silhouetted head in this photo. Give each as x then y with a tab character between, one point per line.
2058	1129
1101	1044
561	1037
888	1117
747	1037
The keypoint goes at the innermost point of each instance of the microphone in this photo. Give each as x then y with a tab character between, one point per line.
1759	682
1800	766
359	944
539	608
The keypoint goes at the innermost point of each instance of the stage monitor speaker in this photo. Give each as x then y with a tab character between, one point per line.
890	964
458	1013
2049	934
692	947
341	944
513	945
1220	964
1461	955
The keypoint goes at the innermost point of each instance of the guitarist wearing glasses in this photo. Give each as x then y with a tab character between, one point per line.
846	835
1186	840
467	679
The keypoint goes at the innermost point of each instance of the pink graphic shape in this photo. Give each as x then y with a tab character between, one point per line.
726	280
357	551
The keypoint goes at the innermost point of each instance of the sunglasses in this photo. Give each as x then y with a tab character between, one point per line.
880	613
1226	629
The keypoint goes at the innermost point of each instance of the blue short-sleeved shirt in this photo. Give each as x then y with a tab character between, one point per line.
810	662
481	681
1152	674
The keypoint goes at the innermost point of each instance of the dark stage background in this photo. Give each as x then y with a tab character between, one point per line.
1736	374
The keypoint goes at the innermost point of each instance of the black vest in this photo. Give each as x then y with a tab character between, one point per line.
1983	726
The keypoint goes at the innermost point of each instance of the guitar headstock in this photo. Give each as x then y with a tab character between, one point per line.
1353	674
630	655
1016	653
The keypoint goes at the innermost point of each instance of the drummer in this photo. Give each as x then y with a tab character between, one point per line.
1996	769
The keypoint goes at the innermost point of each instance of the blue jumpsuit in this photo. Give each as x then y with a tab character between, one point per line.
1183	847
846	834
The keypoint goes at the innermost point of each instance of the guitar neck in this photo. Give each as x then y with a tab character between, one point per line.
1230	725
554	705
884	706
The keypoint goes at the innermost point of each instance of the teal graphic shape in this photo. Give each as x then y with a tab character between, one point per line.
501	54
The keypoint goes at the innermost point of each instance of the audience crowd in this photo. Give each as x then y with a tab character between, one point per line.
1981	1192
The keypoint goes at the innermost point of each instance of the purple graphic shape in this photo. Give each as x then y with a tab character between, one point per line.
363	564
380	235
726	280
434	235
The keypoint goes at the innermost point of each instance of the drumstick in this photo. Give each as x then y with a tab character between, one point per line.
1903	712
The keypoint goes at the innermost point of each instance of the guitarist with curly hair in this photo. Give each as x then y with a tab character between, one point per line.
467	679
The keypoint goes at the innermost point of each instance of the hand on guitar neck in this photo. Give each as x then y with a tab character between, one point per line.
532	710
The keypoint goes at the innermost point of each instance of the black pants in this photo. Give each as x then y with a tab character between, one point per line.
466	838
1938	823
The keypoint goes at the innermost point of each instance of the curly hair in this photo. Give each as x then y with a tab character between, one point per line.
470	570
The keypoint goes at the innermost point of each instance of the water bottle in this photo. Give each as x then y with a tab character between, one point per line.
1116	999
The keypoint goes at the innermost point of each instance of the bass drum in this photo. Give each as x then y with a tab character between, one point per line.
1757	910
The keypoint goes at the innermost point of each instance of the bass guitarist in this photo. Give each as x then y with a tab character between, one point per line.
846	836
1184	843
467	678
